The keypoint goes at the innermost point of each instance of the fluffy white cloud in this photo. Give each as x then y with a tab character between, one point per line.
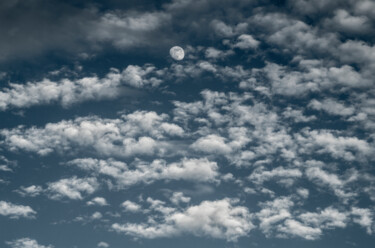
130	206
274	212
295	228
72	188
211	144
15	211
277	218
325	219
67	92
26	243
328	142
98	201
197	170
126	136
140	77
218	219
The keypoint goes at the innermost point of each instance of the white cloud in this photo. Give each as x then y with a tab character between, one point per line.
297	115
303	192
196	170
96	216
328	142
260	175
16	211
103	245
363	217
68	92
325	219
98	201
31	191
274	212
72	188
331	107
137	76
211	144
218	219
323	177
123	137
65	92
130	206
296	228
178	197
26	243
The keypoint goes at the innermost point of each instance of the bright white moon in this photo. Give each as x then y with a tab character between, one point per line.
177	53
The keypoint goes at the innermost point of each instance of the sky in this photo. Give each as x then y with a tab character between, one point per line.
261	136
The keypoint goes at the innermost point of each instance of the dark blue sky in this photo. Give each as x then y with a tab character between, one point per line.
262	136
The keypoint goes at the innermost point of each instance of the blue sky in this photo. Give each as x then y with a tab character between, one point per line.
262	136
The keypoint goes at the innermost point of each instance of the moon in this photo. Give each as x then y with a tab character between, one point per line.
177	53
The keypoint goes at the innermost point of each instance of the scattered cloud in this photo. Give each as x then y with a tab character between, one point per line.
26	243
15	211
220	219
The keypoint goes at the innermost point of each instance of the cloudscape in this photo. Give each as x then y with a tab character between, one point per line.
187	123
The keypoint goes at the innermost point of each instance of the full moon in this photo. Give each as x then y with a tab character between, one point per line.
177	53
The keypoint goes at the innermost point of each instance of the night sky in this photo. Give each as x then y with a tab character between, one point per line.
261	136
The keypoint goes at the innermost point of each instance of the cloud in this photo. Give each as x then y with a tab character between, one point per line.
327	142
273	212
211	144
326	219
347	23
103	245
98	201
130	206
178	197
220	219
277	218
331	107
72	188
15	211
246	41
122	137
31	191
363	217
26	243
128	29
68	92
260	175
196	170
6	164
297	229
